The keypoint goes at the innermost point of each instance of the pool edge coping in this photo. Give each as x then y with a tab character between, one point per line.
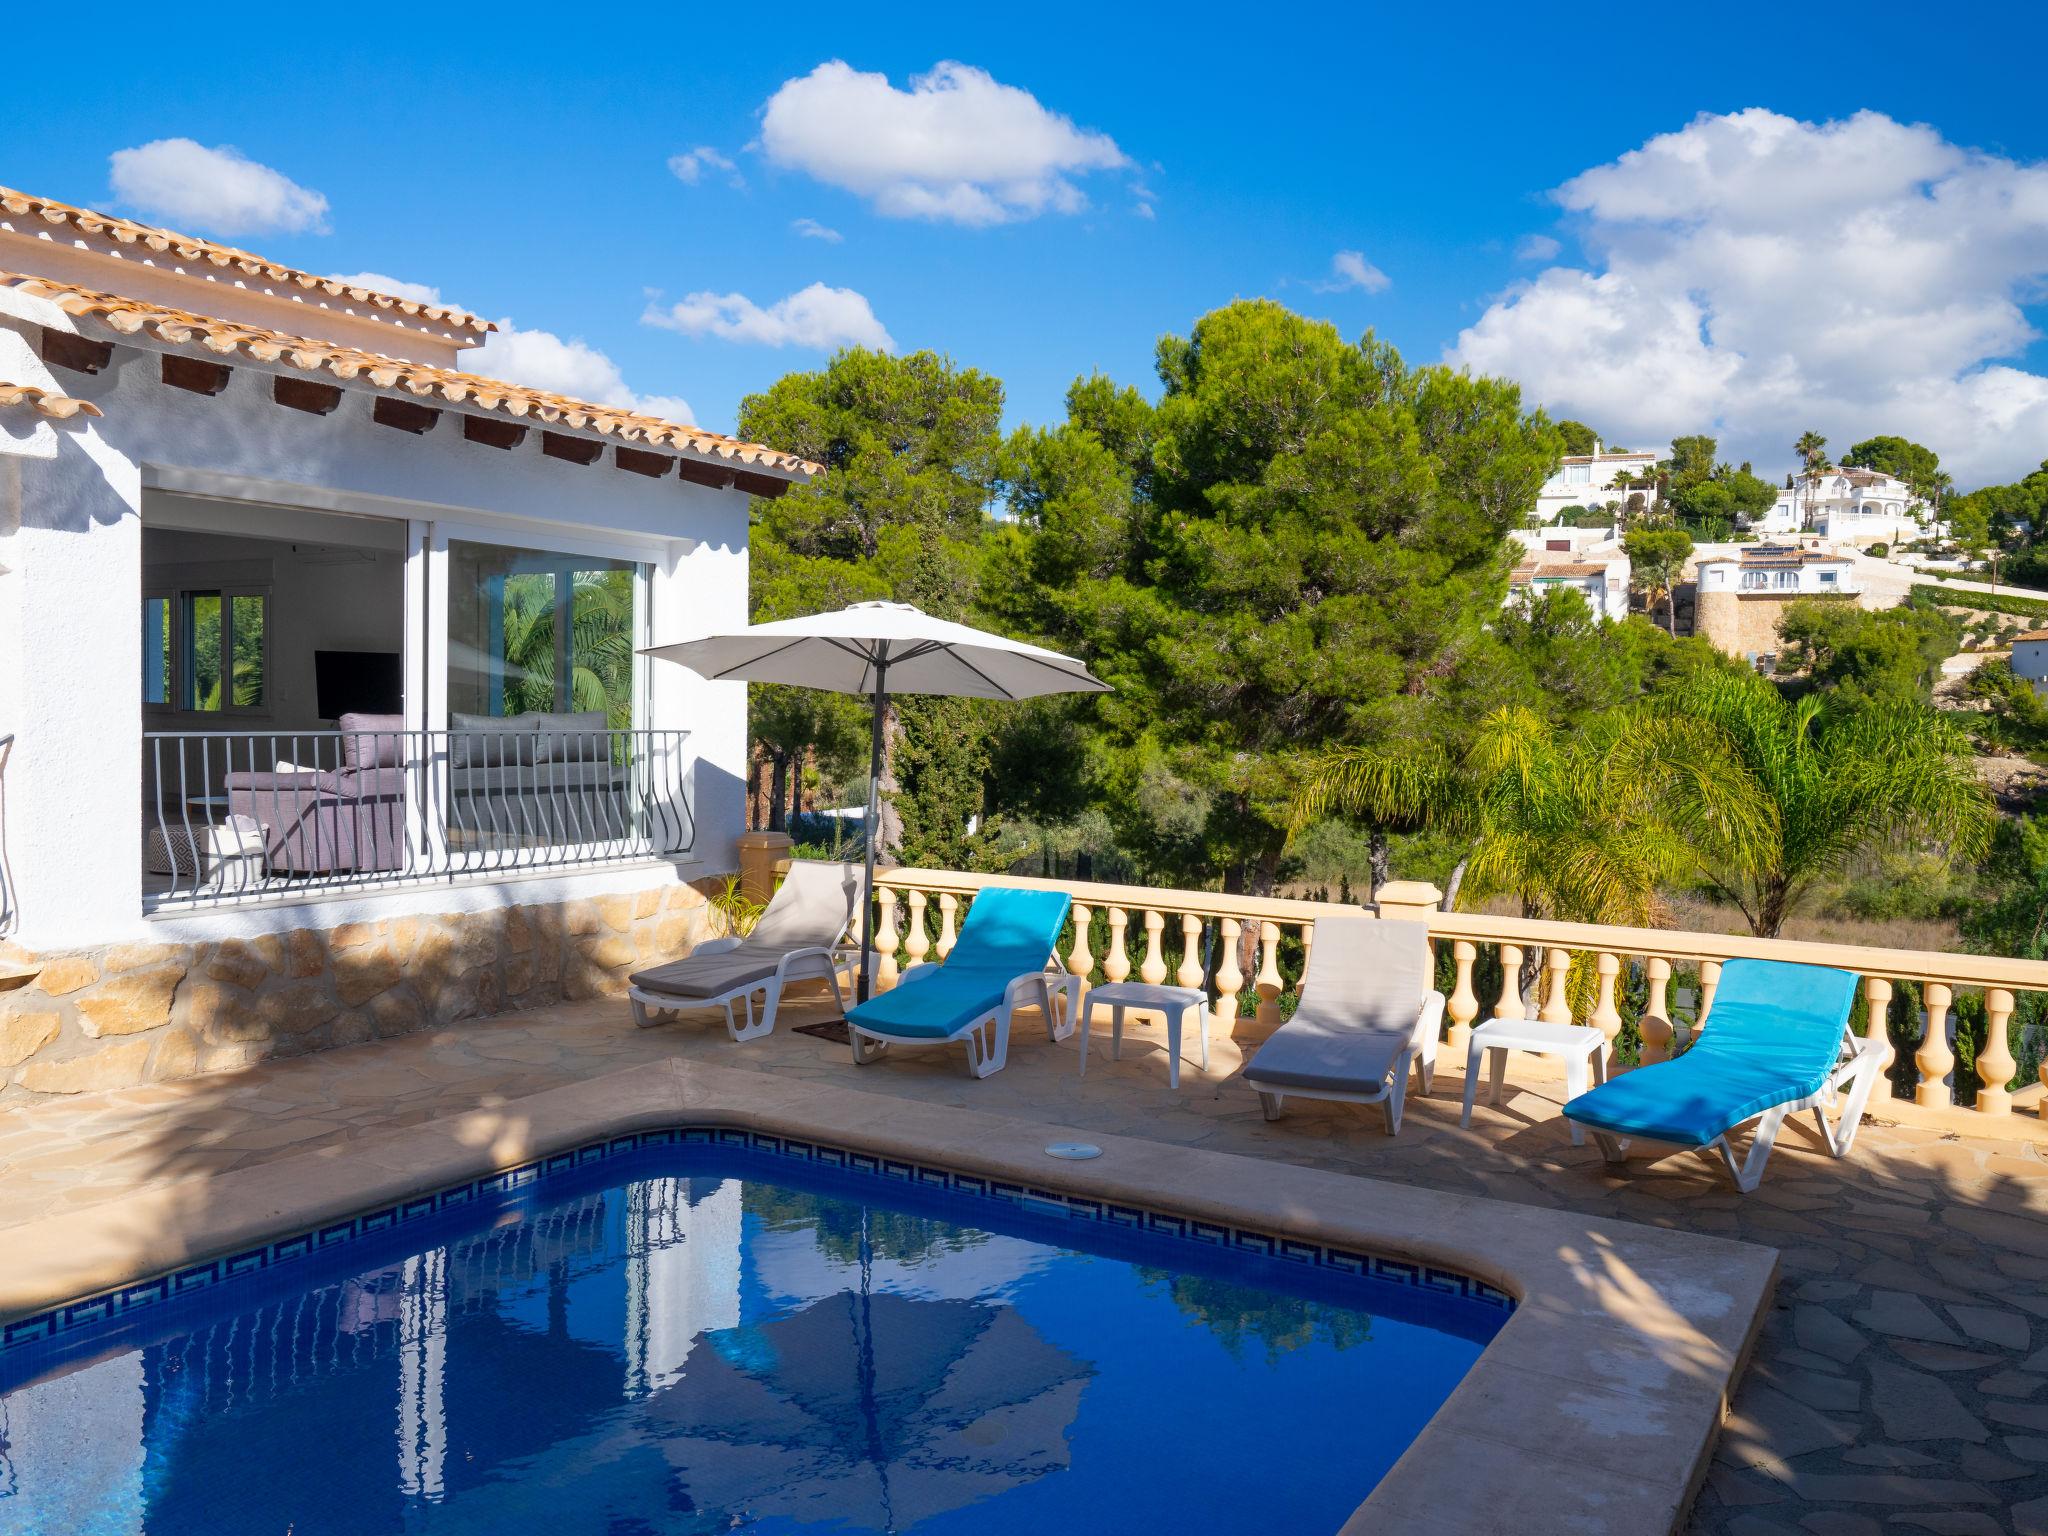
1595	1408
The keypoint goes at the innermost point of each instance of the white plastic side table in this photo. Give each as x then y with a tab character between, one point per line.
1583	1048
1174	1002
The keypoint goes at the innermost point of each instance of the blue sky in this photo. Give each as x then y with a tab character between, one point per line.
521	165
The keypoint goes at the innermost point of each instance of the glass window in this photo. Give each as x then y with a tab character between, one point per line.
202	651
245	649
534	632
156	650
219	643
1827	578
1578	474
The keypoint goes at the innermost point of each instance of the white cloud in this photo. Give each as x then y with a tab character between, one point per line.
811	229
817	317
220	189
1536	248
543	360
397	287
1350	269
1753	276
690	166
958	146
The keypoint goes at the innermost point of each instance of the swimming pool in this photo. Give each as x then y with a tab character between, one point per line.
701	1333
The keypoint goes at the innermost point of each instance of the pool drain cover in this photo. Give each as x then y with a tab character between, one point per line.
1073	1151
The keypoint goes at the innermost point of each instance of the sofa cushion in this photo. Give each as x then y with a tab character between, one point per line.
372	741
491	741
573	738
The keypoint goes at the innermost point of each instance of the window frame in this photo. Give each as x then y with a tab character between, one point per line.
563	549
182	658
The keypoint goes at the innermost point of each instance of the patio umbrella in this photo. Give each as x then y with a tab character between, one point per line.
877	649
876	1411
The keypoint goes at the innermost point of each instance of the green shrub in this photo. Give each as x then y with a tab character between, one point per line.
1984	602
1878	551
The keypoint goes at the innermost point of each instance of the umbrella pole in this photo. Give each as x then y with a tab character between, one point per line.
872	828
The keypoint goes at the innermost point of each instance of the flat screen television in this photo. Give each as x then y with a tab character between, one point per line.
359	683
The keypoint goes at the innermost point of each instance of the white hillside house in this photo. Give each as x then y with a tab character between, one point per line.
1590	480
1847	506
1590	561
304	624
1778	571
2030	659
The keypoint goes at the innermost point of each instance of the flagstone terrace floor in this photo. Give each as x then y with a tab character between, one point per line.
1900	1384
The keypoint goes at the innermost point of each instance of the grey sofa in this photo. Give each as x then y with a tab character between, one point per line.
523	780
349	818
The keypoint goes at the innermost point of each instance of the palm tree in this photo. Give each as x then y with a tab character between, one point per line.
1581	825
1830	780
1812	451
598	607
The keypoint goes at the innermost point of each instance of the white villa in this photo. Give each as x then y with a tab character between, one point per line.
1846	506
1776	571
317	637
1588	480
2030	658
1589	560
1740	598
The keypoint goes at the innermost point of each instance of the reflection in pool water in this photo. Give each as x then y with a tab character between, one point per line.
735	1346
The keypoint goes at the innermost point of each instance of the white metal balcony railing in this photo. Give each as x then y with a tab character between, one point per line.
234	816
1654	982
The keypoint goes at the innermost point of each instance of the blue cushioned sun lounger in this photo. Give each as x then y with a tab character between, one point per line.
1776	1040
1004	956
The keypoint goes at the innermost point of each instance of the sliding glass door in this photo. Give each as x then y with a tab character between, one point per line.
536	632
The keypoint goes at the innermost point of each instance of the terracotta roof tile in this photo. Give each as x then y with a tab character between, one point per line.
177	327
1545	571
128	232
47	401
2033	634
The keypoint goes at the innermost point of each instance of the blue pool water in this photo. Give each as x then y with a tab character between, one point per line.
698	1339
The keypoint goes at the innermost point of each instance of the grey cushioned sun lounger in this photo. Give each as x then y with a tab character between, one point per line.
800	936
1367	1013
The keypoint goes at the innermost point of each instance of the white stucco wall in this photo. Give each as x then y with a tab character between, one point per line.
2030	661
70	686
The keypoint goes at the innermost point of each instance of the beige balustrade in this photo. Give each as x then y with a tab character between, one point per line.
1153	970
1229	973
1510	1004
1190	972
1995	1065
1557	1008
1607	1017
1079	960
1934	1059
1270	983
1611	950
1656	1021
886	974
1116	965
1463	1005
1877	999
919	943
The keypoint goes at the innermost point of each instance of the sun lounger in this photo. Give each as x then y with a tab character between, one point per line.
1004	956
1776	1040
1368	1014
799	937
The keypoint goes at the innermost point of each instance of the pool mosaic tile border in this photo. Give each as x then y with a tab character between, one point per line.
121	1301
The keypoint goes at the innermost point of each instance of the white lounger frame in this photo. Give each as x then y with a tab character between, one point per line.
814	964
985	1056
1390	1092
1858	1069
